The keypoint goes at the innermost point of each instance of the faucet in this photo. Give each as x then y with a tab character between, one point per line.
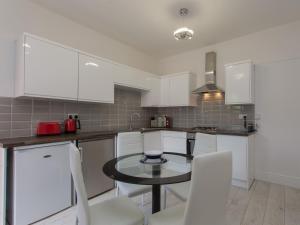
131	119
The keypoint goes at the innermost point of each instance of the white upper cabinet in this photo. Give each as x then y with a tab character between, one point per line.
165	97
95	80
176	90
151	98
46	70
239	82
133	78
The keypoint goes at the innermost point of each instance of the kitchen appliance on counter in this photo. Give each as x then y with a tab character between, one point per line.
161	122
48	128
72	124
94	154
39	182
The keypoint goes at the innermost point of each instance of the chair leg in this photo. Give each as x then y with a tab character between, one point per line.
118	191
165	198
143	200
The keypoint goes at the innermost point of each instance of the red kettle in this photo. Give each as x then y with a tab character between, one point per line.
71	125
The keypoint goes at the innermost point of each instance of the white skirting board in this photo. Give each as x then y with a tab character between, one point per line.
2	184
278	179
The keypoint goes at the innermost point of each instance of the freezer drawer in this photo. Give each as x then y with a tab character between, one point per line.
95	153
41	182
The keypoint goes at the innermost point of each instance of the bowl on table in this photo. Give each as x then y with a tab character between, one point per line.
153	154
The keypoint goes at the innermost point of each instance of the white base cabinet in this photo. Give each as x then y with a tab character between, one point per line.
242	149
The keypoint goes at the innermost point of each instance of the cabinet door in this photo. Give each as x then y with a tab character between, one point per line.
152	141
42	182
179	91
51	71
94	155
95	80
151	98
238	146
131	77
238	81
165	91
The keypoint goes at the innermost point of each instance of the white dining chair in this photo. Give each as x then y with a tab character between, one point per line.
210	186
130	143
204	143
116	211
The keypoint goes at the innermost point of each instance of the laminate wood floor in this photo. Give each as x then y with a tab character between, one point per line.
264	204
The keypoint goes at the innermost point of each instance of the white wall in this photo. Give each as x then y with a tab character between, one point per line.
18	16
278	106
269	45
277	100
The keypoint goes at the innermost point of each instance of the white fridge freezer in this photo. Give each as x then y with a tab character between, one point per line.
40	182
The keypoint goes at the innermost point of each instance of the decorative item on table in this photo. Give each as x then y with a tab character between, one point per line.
153	157
48	128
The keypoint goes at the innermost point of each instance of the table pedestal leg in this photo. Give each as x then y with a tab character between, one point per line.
155	198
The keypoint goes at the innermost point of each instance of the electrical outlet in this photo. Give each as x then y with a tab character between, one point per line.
72	114
241	116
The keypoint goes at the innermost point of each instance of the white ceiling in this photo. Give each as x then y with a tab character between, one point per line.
148	25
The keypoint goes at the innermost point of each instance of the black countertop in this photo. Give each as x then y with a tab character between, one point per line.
11	143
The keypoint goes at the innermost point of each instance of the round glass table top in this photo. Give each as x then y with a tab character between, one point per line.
174	168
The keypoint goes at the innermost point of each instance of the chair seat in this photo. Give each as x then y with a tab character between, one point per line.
180	190
116	211
170	216
131	190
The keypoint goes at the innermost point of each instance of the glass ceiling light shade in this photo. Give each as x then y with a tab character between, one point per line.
183	33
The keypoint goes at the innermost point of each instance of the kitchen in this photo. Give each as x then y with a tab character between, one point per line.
114	89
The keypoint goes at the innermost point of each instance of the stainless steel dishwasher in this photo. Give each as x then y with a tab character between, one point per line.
95	153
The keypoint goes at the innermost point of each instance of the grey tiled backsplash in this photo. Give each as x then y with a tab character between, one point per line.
19	117
211	111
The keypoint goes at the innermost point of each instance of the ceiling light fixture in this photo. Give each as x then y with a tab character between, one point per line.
183	33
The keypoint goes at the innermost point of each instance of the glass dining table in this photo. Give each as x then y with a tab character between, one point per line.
134	169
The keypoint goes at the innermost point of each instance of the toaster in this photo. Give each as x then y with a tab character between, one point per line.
48	128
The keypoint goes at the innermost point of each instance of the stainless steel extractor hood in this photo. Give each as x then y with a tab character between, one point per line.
210	75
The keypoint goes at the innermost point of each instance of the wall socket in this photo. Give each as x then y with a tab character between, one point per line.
241	116
72	114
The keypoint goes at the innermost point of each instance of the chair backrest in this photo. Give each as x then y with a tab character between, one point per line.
204	143
210	186
129	143
83	215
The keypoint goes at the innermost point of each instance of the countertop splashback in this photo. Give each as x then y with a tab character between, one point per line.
19	117
212	112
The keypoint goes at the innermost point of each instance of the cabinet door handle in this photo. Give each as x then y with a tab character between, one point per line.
47	156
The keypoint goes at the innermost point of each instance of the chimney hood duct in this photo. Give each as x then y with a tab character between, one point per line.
210	75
